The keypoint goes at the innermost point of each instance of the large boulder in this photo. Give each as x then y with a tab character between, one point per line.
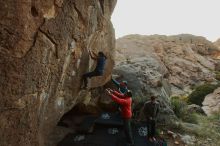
43	54
164	66
211	103
217	43
193	108
144	79
183	60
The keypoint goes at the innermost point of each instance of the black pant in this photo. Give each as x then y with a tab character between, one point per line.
151	128
127	130
89	75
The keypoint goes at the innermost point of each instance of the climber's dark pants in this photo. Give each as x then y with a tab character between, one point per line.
89	75
151	128
127	130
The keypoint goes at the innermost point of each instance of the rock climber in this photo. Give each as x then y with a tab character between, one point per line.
99	70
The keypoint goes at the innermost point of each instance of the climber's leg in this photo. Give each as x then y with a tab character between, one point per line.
89	75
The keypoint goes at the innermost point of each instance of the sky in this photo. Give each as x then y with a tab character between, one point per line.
167	17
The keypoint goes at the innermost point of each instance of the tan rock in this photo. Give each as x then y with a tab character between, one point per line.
185	59
43	54
211	103
217	43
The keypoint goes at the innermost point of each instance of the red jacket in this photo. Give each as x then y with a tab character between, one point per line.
125	102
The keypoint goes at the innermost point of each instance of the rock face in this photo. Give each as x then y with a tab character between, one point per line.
183	61
144	80
211	103
43	54
164	65
193	108
217	43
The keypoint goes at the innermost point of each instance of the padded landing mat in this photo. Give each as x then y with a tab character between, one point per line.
101	136
110	119
87	124
109	133
106	136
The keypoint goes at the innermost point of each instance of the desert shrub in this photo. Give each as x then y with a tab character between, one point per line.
215	116
209	127
198	95
190	118
217	76
184	98
179	107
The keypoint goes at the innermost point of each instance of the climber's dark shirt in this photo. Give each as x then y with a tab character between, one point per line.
100	65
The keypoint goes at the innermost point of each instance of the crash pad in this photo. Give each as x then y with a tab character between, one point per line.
108	131
110	119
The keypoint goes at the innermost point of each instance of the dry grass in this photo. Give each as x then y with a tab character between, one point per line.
206	132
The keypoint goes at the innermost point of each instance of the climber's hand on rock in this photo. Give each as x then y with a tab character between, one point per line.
111	90
108	91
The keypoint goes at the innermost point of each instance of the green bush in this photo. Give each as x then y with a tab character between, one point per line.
215	116
190	118
179	107
198	95
217	76
208	128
